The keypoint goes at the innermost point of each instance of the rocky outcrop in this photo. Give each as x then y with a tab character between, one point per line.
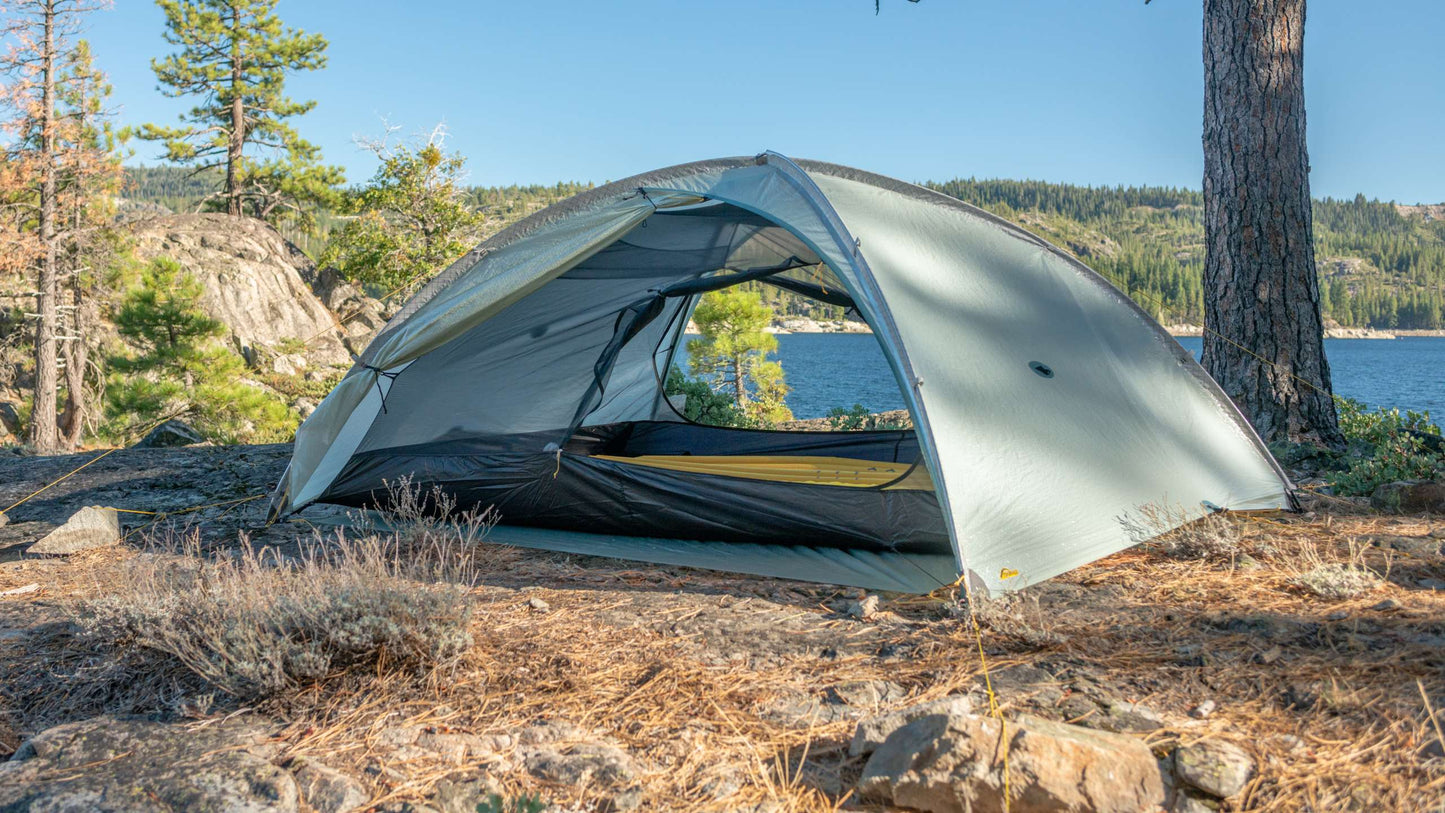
361	316
256	282
120	765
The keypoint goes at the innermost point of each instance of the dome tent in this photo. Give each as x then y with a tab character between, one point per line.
1051	413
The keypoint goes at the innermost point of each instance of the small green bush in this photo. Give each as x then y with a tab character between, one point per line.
1394	447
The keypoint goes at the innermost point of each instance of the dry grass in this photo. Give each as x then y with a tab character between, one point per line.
1337	700
1213	537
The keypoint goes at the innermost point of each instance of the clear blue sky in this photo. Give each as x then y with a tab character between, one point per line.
1097	92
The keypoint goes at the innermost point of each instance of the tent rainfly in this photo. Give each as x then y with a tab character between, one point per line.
1056	422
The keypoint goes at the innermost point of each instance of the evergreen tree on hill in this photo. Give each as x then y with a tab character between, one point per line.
234	56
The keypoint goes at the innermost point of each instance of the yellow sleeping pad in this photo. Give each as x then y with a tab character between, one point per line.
821	471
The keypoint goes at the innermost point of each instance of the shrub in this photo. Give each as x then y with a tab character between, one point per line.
258	623
857	418
1332	579
1395	447
177	366
1212	537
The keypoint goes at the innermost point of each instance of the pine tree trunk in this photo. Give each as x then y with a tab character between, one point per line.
77	357
238	120
1264	340
43	433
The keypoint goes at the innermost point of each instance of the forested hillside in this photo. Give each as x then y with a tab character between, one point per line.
1380	266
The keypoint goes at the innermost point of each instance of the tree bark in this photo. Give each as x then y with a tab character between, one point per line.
1264	339
43	431
77	357
238	120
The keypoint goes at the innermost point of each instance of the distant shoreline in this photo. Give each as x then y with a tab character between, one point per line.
804	325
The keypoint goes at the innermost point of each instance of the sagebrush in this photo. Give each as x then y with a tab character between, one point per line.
256	623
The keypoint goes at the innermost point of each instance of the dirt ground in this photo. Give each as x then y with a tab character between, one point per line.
718	691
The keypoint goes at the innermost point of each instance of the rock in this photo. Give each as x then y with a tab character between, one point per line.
866	694
873	731
1437	533
1410	497
1412	545
170	433
595	762
20	591
328	790
1203	710
254	280
463	794
865	607
288	364
1218	768
1386	605
538	604
304	407
953	763
1431	584
1122	717
123	764
548	732
87	529
630	799
1189	802
4	519
9	419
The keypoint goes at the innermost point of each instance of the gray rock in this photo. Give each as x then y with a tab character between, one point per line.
865	607
1203	710
87	529
170	433
548	732
630	799
462	793
596	762
538	604
952	764
289	364
327	789
1218	768
1431	584
1412	545
119	765
866	694
9	419
4	520
1122	717
1386	605
1410	497
872	732
1188	802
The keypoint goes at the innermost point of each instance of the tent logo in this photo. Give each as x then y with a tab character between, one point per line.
1042	369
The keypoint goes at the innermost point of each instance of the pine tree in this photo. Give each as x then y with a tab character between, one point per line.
235	55
178	368
732	354
41	71
410	221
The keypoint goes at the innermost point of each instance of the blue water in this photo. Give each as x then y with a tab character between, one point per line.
827	370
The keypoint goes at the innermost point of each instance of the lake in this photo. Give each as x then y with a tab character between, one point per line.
1408	373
